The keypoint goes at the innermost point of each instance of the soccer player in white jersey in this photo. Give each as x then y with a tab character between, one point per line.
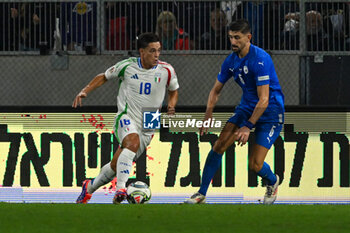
143	83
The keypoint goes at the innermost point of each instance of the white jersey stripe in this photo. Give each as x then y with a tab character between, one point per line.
263	78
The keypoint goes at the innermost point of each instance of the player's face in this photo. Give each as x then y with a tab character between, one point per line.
150	55
239	40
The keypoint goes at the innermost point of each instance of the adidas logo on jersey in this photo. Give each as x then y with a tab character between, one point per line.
135	76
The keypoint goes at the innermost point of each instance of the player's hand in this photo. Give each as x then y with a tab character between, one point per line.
171	111
78	98
242	135
204	130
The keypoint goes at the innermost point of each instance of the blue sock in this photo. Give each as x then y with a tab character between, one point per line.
266	173
212	164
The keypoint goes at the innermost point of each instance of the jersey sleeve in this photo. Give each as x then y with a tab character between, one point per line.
117	71
225	73
172	79
262	69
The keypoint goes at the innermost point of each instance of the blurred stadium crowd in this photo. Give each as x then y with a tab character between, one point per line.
98	26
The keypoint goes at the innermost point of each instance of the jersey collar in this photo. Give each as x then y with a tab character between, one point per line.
140	64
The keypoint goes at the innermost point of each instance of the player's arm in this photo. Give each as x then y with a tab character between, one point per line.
212	100
98	81
242	134
173	86
172	101
263	94
213	97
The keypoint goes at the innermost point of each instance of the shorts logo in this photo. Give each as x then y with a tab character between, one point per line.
272	131
269	140
151	120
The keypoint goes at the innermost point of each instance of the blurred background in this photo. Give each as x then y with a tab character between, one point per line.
49	50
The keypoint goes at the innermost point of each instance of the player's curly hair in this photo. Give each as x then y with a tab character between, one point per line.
240	25
145	38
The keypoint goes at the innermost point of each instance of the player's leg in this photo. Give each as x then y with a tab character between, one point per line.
123	164
123	170
257	164
127	134
106	175
213	162
266	135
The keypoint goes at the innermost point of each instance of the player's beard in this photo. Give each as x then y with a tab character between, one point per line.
238	49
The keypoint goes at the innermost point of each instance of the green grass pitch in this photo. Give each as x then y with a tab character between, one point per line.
171	218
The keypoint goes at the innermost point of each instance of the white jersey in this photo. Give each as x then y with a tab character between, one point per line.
140	88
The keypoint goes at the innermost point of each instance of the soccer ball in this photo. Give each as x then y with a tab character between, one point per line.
138	193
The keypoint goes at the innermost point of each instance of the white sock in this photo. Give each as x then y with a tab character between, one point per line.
124	167
106	175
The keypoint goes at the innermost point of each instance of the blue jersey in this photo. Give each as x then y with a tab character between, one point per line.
255	69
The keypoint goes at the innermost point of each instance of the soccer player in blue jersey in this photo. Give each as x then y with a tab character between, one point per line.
261	107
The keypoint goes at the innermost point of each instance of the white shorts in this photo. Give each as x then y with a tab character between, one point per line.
126	126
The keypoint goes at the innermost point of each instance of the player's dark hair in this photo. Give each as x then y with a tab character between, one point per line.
145	38
240	25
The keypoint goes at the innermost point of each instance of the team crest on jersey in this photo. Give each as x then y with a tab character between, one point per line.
157	77
245	69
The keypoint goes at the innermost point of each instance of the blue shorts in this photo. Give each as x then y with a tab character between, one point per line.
266	133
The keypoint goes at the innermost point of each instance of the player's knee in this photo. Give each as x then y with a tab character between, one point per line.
253	165
134	147
132	142
220	146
